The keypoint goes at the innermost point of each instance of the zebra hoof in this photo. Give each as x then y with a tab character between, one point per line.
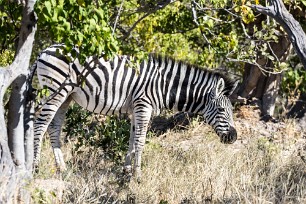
137	175
126	174
62	168
127	170
138	179
36	167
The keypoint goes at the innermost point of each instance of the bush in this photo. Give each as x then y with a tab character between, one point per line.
6	57
293	82
111	133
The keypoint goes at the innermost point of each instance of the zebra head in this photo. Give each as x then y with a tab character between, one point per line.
219	111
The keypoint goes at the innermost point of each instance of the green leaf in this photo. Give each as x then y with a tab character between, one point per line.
80	37
48	7
53	2
61	3
66	26
55	15
81	3
100	13
210	23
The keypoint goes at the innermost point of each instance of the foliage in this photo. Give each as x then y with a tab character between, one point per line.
77	119
223	33
40	196
294	82
10	17
111	134
78	22
216	33
167	31
10	22
6	58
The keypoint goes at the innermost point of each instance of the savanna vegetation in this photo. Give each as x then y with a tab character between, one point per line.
182	164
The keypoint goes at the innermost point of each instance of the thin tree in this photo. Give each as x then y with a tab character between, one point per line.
18	152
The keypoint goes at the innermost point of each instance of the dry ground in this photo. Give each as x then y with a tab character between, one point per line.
266	165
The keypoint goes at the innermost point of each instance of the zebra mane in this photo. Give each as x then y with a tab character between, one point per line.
230	84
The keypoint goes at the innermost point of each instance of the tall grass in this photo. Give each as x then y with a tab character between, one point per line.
190	166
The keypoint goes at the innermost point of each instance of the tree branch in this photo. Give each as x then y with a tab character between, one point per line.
296	34
195	20
19	73
117	17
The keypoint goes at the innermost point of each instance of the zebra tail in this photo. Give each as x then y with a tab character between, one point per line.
32	91
33	70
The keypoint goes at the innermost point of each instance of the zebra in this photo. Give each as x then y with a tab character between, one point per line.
114	87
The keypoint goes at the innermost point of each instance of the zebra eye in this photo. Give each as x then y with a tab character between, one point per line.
221	109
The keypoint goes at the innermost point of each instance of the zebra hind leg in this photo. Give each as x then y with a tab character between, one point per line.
42	122
54	131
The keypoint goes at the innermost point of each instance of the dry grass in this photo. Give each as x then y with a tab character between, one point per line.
190	166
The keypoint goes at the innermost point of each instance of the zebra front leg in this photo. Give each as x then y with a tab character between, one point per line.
142	119
54	131
131	151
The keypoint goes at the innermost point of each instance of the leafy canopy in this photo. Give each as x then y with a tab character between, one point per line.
78	22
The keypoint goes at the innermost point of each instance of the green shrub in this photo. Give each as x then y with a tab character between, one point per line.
6	58
111	134
77	121
114	136
293	82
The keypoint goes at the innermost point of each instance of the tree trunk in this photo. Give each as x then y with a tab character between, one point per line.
29	127
250	80
265	86
16	125
7	167
270	94
12	178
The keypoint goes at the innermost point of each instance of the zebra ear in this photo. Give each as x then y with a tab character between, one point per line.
233	87
220	87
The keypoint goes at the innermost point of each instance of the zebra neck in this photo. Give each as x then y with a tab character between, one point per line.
183	87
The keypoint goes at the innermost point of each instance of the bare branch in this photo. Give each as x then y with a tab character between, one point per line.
244	30
272	51
264	10
264	69
117	17
135	24
195	20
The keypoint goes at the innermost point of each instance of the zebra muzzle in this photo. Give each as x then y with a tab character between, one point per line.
229	138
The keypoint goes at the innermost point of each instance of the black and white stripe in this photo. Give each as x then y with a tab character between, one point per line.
116	86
